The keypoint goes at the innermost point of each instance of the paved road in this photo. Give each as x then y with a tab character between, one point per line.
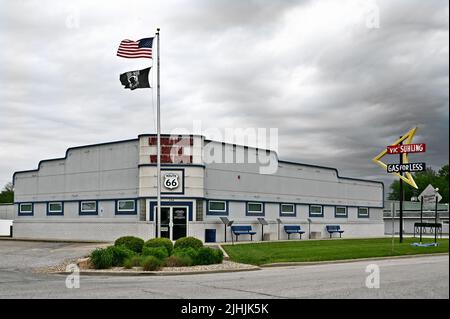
421	277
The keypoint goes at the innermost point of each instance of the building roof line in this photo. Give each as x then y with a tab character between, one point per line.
67	153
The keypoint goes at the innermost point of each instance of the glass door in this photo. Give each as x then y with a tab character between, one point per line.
173	222
179	222
165	222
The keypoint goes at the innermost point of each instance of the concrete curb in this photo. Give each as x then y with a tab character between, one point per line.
153	273
326	262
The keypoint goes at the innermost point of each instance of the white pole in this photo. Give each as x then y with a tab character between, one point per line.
393	214
158	144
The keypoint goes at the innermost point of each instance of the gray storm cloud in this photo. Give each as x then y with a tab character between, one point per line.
337	90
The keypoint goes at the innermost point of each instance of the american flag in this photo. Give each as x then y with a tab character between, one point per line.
135	49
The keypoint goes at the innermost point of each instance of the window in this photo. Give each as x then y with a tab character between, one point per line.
126	205
255	209
363	212
341	211
88	207
217	206
25	209
315	211
287	210
55	208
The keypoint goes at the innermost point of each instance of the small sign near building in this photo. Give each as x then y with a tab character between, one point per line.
429	194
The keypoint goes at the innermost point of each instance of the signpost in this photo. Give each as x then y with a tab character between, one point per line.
403	169
430	195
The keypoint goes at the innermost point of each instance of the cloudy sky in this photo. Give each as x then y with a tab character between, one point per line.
339	79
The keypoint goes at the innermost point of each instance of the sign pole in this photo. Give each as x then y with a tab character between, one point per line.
435	219
401	200
421	217
393	224
158	133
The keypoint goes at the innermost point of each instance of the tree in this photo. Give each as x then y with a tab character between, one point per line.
423	179
7	194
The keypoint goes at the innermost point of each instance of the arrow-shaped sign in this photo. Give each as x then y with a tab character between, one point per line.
407	138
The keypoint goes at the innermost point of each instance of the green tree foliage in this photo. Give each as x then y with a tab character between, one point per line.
7	194
439	179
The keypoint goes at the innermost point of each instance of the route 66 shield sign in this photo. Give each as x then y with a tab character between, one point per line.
171	181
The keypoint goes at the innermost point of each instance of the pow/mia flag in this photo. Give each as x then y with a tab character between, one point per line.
135	79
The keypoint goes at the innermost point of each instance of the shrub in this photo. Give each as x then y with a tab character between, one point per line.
186	253
131	262
102	258
208	256
151	263
120	254
158	252
132	243
219	256
188	242
160	242
178	261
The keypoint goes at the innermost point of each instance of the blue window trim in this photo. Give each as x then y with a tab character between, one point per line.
340	216
25	214
315	215
364	216
294	214
61	213
163	203
247	213
88	213
216	213
130	212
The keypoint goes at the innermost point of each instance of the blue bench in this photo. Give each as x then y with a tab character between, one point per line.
242	230
293	229
334	229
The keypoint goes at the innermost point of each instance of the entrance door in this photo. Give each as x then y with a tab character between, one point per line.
179	222
173	222
165	222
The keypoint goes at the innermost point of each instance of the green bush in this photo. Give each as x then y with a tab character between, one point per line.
120	254
134	261
158	252
186	253
132	243
160	242
151	263
178	261
102	258
208	256
219	256
188	242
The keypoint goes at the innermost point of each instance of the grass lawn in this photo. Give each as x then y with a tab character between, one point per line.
320	250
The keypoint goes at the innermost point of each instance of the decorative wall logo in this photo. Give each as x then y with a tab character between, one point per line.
263	141
171	181
373	279
73	280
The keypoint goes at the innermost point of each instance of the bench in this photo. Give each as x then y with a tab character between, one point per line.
242	230
293	229
334	229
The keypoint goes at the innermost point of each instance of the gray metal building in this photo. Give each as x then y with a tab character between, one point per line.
104	191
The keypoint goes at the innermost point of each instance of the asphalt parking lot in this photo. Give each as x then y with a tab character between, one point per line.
418	277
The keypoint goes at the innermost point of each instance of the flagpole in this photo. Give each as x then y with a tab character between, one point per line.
158	132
